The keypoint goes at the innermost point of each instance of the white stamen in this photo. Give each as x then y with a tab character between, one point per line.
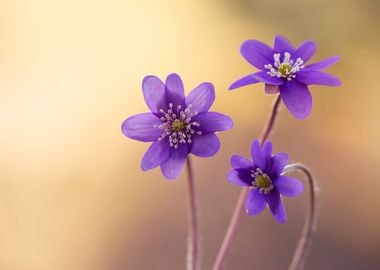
259	173
288	66
181	117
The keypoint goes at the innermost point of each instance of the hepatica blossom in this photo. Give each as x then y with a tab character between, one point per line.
263	175
284	70
177	125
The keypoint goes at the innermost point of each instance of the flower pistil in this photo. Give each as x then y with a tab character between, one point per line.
261	181
285	69
178	125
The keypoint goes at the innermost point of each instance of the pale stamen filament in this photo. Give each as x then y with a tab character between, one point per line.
178	125
285	69
261	181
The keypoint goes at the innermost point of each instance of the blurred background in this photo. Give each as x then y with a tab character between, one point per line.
72	195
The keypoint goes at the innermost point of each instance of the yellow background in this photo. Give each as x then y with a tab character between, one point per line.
72	195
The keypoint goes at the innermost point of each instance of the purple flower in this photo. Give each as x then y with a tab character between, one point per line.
283	71
263	175
177	125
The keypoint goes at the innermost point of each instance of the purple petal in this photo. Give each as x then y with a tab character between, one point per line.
266	153
243	82
255	203
157	153
234	177
279	161
154	93
140	127
201	98
212	122
263	77
288	186
317	77
281	45
205	145
258	54
239	162
175	92
323	64
272	89
297	98
257	157
276	206
305	51
246	174
172	167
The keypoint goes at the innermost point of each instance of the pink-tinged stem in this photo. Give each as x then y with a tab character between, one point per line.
193	257
239	207
311	219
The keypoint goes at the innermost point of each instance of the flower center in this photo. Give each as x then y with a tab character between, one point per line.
177	125
285	69
261	181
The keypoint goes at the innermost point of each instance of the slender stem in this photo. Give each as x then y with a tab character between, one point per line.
193	258
271	120
235	219
311	219
234	223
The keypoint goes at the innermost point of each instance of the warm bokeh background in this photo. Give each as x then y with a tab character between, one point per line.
72	195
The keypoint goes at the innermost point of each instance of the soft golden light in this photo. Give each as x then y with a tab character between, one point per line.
72	195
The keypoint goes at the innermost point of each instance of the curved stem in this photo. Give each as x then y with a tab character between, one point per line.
193	260
311	219
235	219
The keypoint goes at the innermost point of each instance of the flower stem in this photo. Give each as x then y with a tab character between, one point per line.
235	219
311	219
271	120
193	258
